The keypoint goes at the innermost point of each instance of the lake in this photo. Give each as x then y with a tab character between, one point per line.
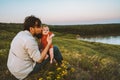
108	40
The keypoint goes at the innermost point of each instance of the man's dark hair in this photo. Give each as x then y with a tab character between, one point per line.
31	21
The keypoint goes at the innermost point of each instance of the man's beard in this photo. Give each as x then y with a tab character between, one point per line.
38	35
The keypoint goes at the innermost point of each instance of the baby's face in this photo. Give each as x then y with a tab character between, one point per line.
45	30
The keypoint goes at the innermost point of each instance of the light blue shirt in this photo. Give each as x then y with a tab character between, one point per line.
23	54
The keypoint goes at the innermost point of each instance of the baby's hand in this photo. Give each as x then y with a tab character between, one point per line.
46	56
52	35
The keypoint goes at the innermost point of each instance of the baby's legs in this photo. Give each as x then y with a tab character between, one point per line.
51	55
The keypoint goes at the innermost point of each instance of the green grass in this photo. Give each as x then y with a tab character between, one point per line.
91	61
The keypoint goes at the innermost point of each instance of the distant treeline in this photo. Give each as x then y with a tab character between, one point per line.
82	30
88	30
11	27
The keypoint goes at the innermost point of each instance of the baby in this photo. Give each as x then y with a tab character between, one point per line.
45	33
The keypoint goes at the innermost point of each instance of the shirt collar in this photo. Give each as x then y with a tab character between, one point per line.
28	32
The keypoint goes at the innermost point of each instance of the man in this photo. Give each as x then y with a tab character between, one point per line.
24	55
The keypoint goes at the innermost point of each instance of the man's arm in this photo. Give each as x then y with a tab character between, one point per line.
44	52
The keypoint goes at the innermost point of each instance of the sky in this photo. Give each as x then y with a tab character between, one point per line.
61	12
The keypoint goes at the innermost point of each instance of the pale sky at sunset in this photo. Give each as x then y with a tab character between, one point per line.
61	12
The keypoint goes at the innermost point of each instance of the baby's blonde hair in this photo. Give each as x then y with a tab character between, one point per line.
44	25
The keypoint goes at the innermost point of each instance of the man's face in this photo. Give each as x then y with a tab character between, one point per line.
37	31
45	30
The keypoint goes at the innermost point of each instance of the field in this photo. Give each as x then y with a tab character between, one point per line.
89	60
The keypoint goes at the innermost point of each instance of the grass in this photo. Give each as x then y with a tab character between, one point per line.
91	60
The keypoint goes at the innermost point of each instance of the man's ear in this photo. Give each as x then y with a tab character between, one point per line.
31	29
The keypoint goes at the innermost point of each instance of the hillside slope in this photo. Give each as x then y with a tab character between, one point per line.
91	61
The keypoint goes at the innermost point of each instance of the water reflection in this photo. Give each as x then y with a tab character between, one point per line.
109	39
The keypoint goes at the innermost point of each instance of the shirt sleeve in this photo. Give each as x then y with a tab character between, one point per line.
33	50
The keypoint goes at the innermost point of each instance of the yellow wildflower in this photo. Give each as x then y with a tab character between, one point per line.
50	73
58	69
40	78
48	78
72	69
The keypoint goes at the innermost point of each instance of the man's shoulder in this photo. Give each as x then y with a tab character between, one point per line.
25	35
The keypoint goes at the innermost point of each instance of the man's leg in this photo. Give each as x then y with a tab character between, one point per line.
57	55
39	66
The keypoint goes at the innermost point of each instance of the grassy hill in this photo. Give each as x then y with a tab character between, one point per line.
91	61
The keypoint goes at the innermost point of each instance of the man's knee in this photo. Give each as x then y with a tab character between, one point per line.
57	53
55	48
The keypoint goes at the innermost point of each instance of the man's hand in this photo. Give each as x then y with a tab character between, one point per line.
46	56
